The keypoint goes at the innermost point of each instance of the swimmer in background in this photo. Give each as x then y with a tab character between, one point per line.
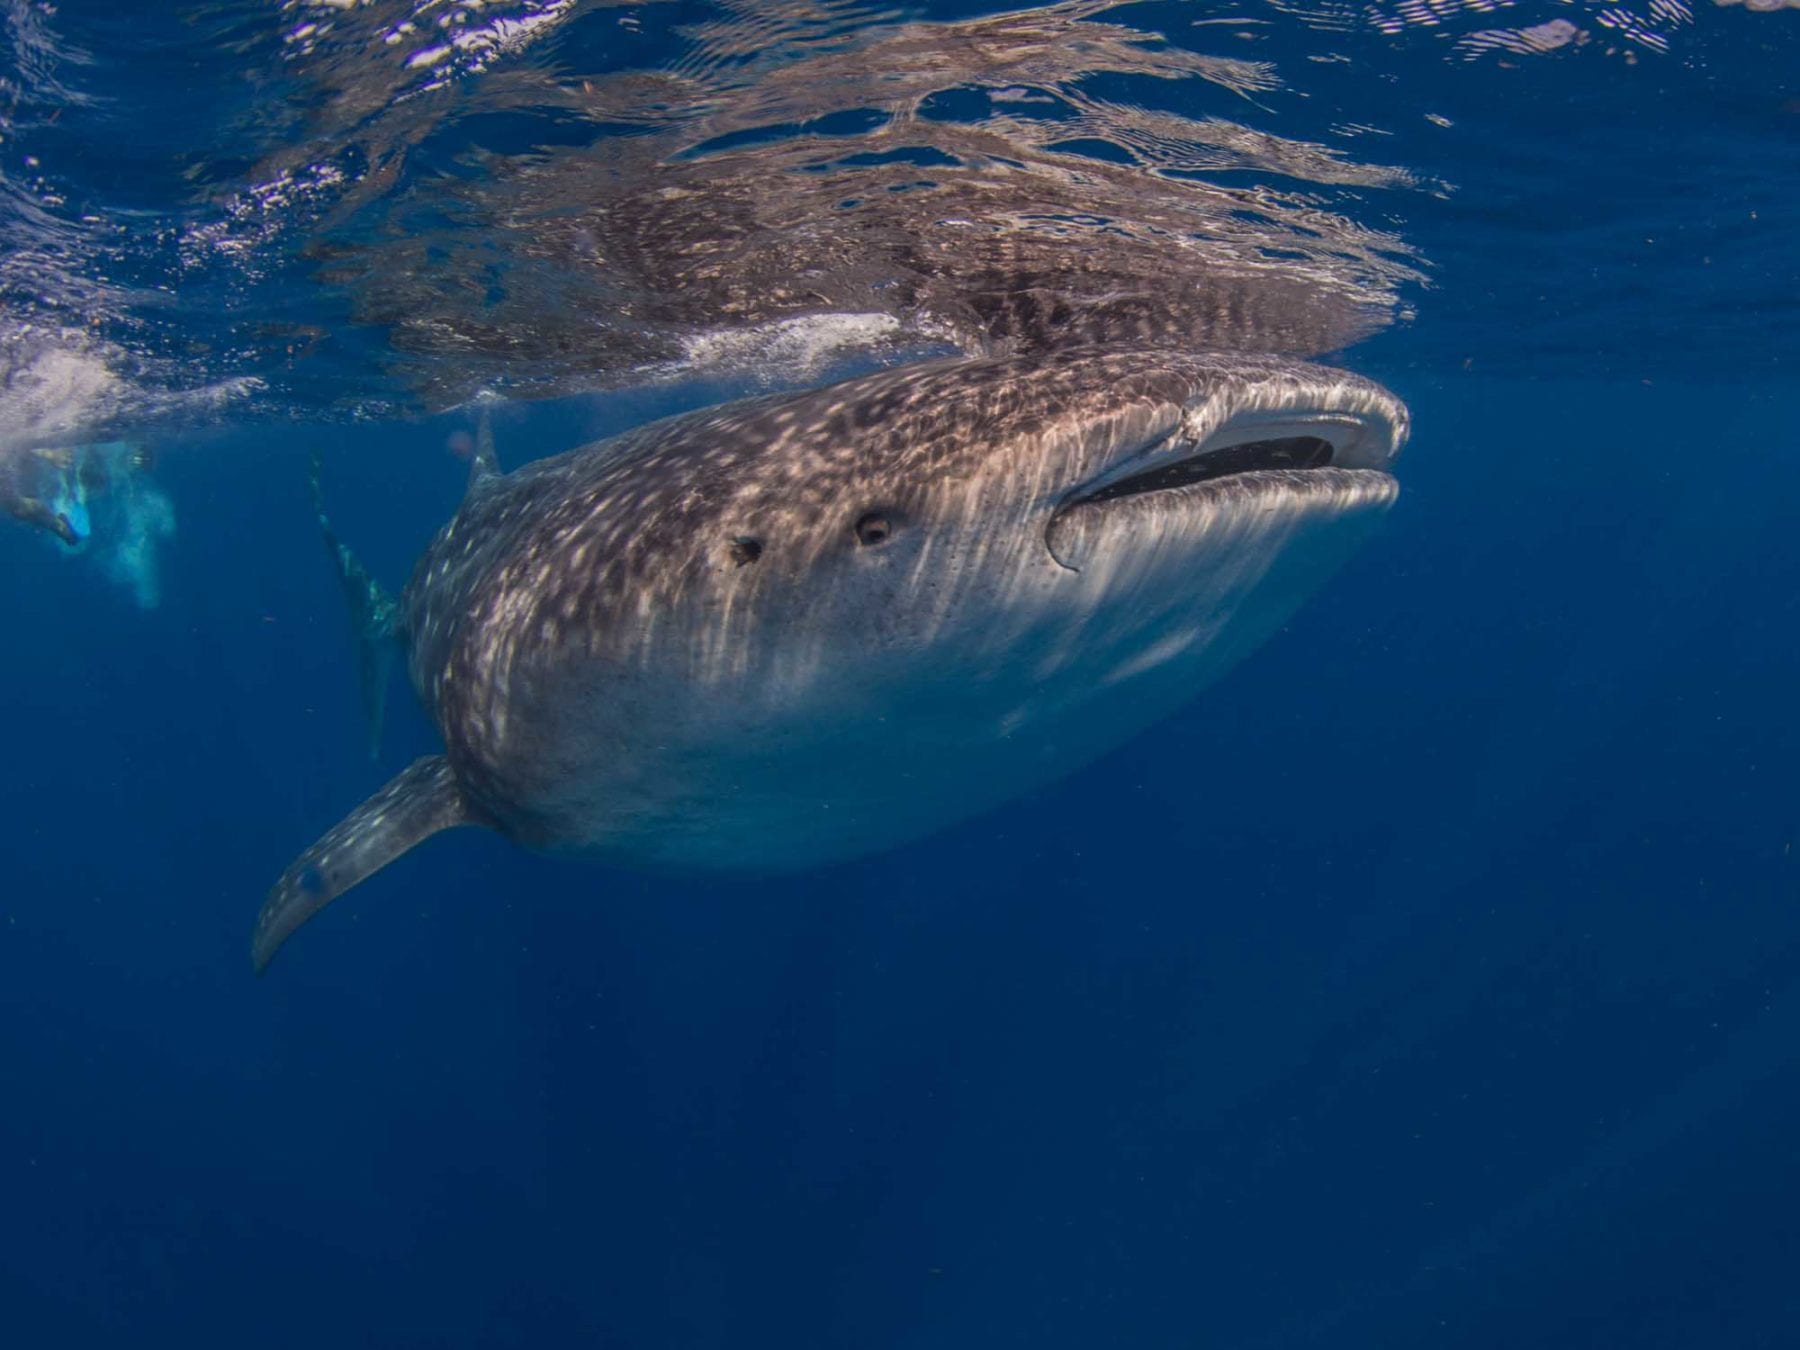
49	487
22	479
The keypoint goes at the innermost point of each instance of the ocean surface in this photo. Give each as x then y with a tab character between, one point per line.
1432	980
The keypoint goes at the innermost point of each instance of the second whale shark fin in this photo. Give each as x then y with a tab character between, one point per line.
483	463
421	800
374	616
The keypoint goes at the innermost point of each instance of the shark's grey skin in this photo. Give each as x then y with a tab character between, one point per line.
806	627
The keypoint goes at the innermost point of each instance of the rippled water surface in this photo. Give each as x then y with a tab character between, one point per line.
354	209
1430	981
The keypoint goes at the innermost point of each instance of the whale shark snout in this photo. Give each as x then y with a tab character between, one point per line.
1266	433
807	627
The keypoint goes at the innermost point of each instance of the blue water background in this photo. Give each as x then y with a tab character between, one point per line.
1431	980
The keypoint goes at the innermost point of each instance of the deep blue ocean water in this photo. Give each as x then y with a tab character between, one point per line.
1432	980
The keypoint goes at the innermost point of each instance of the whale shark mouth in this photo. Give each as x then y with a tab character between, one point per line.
1277	452
1288	444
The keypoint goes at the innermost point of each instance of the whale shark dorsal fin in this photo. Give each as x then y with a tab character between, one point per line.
484	463
421	800
374	616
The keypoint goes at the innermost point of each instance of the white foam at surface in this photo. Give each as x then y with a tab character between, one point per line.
59	387
51	393
795	347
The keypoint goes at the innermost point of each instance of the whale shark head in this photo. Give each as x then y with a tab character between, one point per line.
806	627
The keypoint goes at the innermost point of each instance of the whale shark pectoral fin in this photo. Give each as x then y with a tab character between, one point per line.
418	802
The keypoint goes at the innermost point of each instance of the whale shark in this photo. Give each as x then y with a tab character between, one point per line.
806	627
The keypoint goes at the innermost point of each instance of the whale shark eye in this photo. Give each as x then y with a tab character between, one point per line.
872	528
745	550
